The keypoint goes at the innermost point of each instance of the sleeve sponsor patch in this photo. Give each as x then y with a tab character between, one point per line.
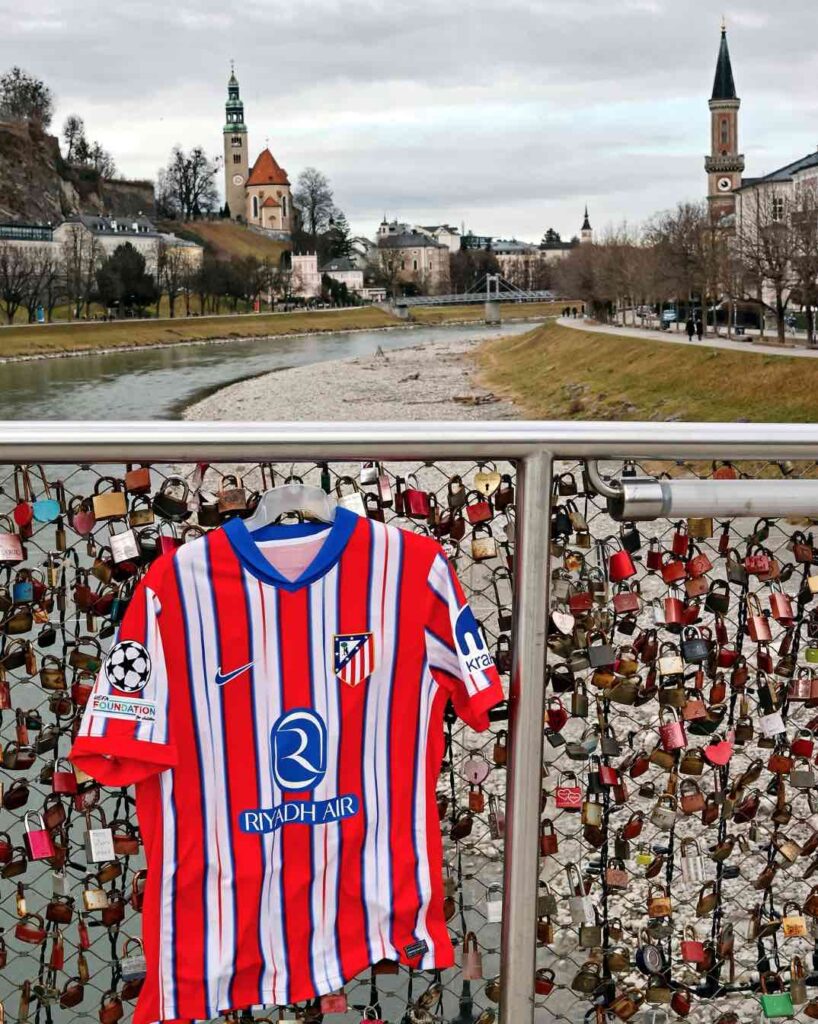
130	708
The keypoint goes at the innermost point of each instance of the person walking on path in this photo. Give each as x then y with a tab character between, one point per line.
699	328
690	327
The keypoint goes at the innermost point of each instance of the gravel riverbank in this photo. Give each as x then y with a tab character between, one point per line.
431	381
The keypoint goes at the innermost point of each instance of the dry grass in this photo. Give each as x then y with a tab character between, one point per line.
556	372
231	241
78	337
509	311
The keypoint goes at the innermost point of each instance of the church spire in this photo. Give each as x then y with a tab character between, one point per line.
586	224
724	88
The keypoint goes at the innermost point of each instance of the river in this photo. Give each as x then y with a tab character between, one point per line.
157	383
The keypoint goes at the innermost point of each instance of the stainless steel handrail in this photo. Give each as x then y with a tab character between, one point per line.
535	445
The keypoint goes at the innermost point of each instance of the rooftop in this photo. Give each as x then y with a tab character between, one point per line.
266	171
724	88
115	225
409	240
785	173
338	265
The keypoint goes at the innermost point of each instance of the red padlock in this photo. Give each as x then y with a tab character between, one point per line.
781	607
39	844
674	611
478	508
30	928
692	949
620	566
568	798
555	714
672	734
548	839
334	1002
680	1001
757	565
680	541
57	960
655	557
544	981
673	571
608	776
698	565
415	501
803	744
727	657
63	780
758	625
84	936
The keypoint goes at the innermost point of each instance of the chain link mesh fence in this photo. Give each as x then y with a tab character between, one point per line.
731	846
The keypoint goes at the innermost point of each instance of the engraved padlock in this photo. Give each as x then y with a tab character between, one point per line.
133	965
99	842
124	545
39	844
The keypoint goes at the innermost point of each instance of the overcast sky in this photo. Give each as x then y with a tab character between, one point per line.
503	115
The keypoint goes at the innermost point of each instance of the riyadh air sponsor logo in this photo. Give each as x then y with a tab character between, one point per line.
298	756
471	643
223	678
123	707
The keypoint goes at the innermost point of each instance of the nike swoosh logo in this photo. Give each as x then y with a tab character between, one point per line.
225	677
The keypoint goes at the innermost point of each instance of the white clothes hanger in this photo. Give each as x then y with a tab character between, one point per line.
311	502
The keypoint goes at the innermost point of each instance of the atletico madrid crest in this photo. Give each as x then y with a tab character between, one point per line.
354	657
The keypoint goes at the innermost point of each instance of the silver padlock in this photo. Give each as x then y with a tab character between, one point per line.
133	965
59	884
494	904
99	842
354	500
772	724
124	546
369	472
692	863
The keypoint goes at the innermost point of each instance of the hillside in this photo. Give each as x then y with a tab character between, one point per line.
37	186
227	240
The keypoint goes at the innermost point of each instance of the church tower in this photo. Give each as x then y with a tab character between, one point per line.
725	163
236	164
586	233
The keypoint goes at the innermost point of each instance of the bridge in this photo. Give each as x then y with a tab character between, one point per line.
490	288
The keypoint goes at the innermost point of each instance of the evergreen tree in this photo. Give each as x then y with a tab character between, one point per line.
123	282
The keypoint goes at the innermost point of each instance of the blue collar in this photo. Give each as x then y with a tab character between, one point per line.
245	544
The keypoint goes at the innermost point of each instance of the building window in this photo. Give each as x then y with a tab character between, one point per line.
236	140
283	206
414	264
255	206
778	207
725	131
237	158
403	264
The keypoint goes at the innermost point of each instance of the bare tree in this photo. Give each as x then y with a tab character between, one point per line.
804	228
186	188
43	285
313	197
82	255
387	269
73	130
172	267
15	278
765	245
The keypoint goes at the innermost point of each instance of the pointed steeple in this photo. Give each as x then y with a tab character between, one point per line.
724	88
586	224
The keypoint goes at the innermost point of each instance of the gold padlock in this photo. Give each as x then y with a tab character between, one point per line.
700	527
93	897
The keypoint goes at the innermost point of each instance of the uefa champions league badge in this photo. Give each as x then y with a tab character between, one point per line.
128	666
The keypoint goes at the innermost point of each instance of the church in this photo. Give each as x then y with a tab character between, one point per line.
259	196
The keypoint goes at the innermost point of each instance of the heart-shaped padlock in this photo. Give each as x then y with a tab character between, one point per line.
487	482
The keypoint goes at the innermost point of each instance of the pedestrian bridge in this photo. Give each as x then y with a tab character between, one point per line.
467	298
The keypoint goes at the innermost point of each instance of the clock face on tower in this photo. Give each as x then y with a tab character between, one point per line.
724	184
237	179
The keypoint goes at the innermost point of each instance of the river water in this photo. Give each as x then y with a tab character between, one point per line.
157	383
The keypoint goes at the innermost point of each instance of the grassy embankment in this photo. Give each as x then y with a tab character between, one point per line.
556	372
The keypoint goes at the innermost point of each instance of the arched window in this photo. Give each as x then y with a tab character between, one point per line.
283	206
255	206
725	131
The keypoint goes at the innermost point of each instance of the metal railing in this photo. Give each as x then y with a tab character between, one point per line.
534	447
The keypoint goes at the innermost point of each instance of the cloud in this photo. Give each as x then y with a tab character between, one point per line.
505	114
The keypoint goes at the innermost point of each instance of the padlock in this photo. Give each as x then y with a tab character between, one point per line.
793	922
802	777
568	794
494	904
600	652
109	503
132	965
669	661
672	733
590	934
548	838
110	1008
625	1005
708	900
483	544
772	724
691	862
663	815
774	1004
692	949
620	566
124	545
93	896
592	811
99	842
39	844
472	968
31	928
659	902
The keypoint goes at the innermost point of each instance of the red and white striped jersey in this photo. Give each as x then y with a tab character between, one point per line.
285	734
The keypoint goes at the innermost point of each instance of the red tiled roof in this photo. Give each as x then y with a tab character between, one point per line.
266	171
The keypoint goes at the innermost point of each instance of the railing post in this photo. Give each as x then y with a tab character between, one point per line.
519	939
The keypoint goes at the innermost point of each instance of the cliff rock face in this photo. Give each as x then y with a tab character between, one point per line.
38	187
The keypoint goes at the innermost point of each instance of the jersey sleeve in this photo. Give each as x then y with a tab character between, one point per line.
459	657
123	737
